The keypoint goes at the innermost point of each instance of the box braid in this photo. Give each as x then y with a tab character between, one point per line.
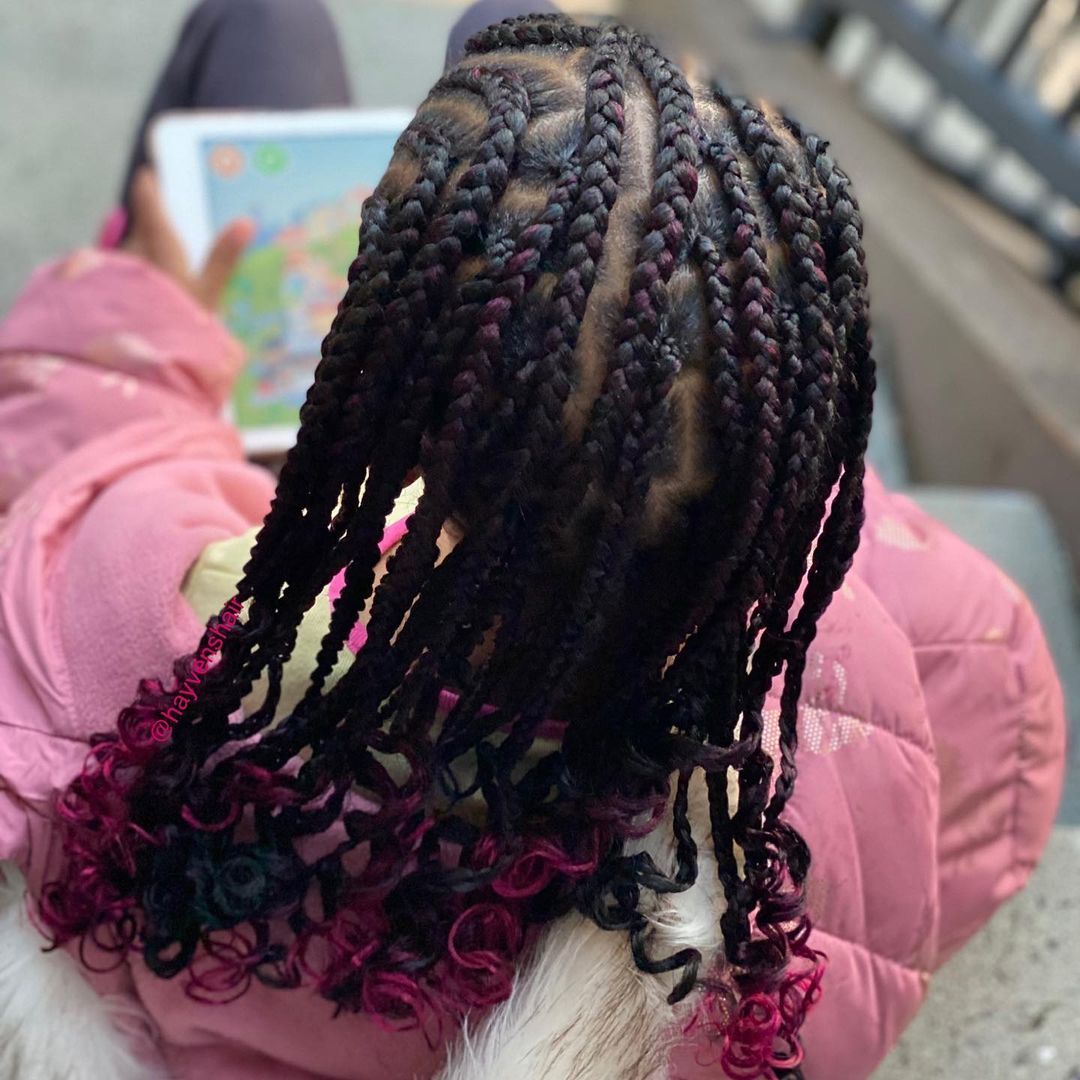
593	179
807	381
511	278
620	325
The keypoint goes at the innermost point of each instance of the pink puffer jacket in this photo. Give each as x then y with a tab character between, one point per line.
931	728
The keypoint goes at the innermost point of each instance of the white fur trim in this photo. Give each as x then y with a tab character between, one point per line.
580	1008
53	1025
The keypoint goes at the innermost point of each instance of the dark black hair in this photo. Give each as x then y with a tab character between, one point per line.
620	325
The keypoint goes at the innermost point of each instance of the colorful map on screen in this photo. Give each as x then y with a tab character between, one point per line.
304	194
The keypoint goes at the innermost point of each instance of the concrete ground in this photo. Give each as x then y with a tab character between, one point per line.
1006	1006
73	77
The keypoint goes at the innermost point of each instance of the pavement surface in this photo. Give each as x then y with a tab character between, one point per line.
1006	1006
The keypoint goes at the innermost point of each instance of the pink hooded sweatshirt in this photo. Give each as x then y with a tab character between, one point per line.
932	728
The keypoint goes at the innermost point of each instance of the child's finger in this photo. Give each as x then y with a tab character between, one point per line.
152	230
138	197
222	260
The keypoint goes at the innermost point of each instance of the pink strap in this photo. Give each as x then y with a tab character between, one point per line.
113	228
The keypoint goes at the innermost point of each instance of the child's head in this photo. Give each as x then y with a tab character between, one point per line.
619	325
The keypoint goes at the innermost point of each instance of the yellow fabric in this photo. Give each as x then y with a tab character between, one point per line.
211	582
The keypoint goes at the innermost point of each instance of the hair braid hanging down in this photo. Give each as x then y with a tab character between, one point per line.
620	325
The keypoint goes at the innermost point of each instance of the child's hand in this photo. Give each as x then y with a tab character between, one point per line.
153	236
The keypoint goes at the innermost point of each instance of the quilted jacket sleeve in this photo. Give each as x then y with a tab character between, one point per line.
993	698
867	803
115	472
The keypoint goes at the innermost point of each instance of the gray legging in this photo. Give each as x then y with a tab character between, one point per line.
274	54
248	54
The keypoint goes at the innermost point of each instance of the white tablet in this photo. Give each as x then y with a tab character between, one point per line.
301	176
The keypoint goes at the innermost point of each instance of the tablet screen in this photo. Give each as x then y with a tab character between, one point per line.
304	194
